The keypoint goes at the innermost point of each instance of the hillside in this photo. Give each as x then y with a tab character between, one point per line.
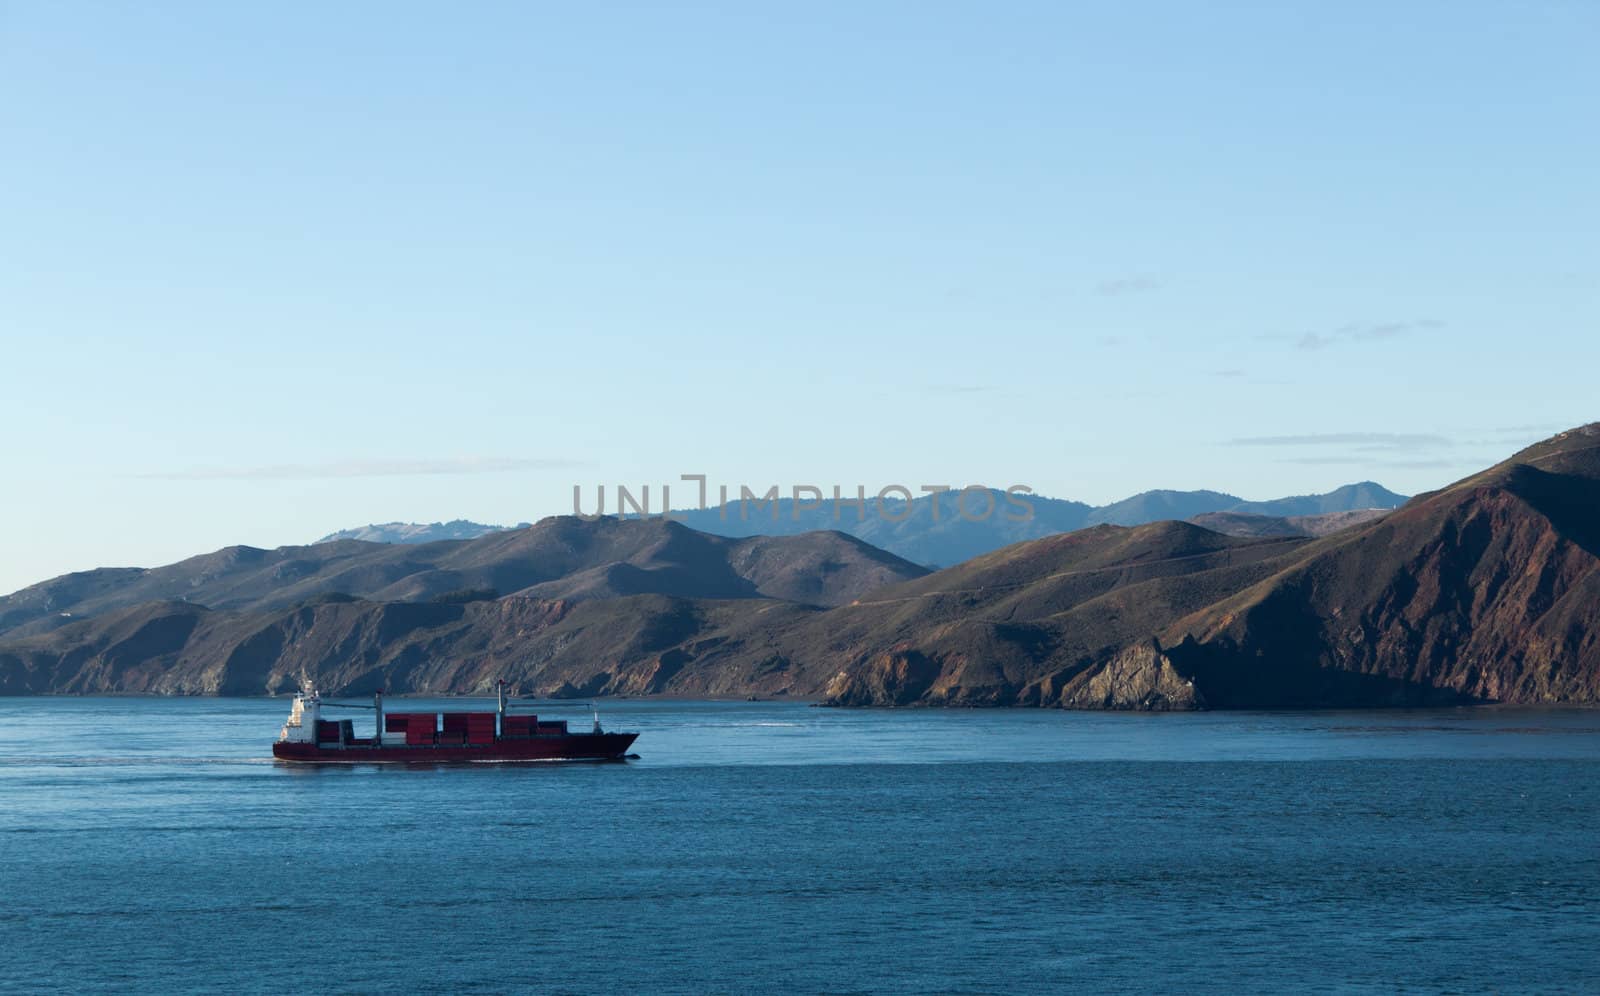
627	643
1488	590
561	557
1485	591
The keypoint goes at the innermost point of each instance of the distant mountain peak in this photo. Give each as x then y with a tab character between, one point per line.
934	531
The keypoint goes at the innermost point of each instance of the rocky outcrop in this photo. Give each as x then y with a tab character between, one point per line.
1140	678
885	679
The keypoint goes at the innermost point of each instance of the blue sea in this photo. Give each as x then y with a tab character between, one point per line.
153	845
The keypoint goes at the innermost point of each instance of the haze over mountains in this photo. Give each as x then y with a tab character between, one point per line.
947	529
935	532
1485	591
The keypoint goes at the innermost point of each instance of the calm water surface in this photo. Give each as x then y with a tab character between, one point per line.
153	845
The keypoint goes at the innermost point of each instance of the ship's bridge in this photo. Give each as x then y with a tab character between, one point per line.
301	726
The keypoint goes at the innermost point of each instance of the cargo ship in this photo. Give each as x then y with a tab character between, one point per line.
439	737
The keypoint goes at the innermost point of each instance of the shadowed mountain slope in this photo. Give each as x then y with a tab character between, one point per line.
1487	590
560	557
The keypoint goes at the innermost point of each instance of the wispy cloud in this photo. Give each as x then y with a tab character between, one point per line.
1352	461
1362	440
1136	284
1440	463
364	468
1332	461
1365	332
1387	450
1529	433
1518	430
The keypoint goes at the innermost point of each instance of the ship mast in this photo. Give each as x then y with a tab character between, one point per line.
500	710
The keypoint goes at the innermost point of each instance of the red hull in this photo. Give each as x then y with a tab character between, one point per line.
572	747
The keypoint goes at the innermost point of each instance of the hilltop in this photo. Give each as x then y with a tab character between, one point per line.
1485	591
560	557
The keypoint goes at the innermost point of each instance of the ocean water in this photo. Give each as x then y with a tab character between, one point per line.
153	846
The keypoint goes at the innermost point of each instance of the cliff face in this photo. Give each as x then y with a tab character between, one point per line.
1486	591
633	645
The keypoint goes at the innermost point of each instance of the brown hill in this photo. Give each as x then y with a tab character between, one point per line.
1038	622
993	615
1488	590
1485	591
632	645
559	557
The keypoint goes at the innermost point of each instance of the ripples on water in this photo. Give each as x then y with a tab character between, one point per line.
153	845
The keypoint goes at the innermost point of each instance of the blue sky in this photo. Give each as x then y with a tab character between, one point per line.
268	270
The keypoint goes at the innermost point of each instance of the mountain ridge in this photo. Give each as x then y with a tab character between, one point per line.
940	530
1487	590
557	556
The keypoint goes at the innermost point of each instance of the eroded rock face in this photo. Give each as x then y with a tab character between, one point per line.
1140	678
886	679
